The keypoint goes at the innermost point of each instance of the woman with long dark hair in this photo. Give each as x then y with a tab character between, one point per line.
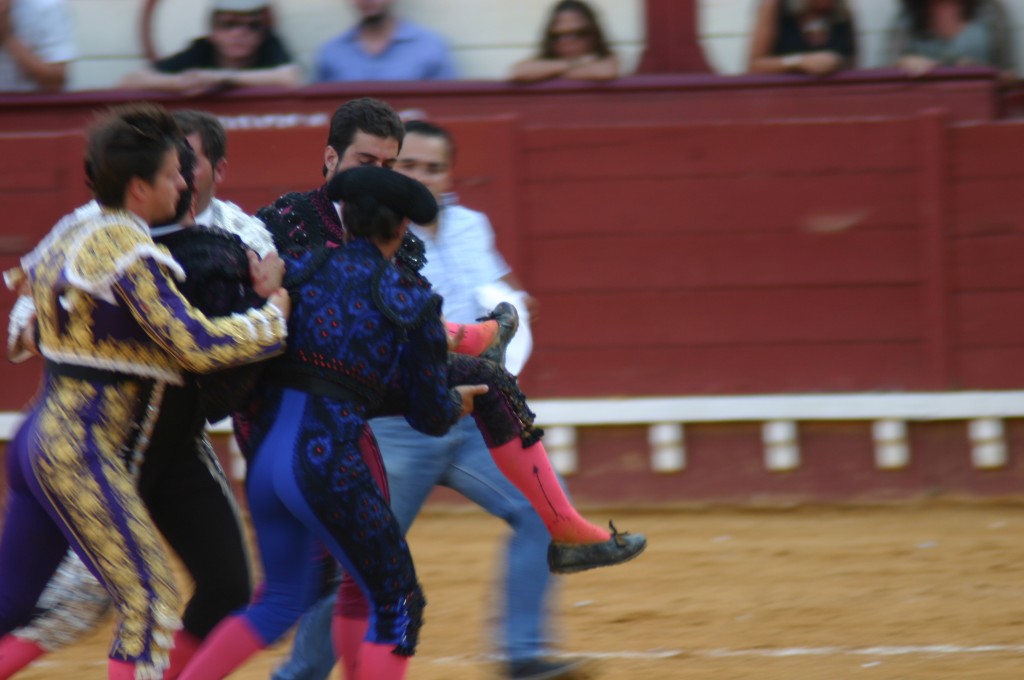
815	37
573	46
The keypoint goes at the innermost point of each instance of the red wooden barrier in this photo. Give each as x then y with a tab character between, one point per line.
965	93
699	257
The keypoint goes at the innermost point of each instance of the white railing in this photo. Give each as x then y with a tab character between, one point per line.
780	415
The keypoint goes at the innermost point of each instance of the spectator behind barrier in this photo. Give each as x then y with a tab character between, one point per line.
241	50
383	47
572	46
35	45
815	37
930	33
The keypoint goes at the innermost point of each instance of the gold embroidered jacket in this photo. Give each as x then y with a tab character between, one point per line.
105	298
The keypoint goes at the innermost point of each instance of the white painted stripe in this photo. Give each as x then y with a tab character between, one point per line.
756	408
472	659
782	652
864	651
901	406
658	654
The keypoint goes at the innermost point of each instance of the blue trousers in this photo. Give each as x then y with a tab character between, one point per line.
460	460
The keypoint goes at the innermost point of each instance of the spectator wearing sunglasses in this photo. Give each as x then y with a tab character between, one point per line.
573	46
241	50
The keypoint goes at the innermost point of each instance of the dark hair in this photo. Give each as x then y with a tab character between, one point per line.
433	130
263	13
917	11
187	158
367	217
547	44
368	115
209	129
127	142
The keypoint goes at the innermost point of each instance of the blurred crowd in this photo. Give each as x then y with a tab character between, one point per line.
242	48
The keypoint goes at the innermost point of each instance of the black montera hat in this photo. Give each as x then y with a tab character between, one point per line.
402	194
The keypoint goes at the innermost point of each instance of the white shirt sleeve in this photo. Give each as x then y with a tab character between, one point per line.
46	27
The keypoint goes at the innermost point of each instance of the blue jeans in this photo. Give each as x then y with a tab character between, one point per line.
459	460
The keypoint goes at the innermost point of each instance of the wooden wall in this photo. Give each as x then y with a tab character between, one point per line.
676	251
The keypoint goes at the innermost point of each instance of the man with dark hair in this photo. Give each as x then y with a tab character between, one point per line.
462	263
180	479
304	222
207	136
241	50
114	332
357	121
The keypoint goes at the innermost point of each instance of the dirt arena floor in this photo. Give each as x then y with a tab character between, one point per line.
912	592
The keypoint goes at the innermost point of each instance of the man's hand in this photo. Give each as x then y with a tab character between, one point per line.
282	300
915	66
820	63
468	393
266	274
195	82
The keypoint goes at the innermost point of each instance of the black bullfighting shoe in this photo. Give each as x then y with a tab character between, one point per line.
569	558
508	323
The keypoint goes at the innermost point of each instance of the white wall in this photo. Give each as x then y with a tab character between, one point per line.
487	35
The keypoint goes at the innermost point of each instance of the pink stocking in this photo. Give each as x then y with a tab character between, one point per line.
16	653
378	663
349	623
530	470
185	646
348	635
472	338
224	650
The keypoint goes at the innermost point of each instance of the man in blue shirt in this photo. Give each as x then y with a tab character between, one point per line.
383	47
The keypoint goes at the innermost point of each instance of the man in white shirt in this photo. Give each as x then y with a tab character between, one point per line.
463	264
35	45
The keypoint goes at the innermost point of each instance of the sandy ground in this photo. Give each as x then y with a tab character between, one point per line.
910	592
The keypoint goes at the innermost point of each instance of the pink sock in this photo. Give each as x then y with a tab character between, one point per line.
185	646
472	338
378	663
120	670
348	635
530	470
16	653
223	650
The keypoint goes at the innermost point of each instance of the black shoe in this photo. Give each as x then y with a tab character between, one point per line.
569	558
544	669
508	323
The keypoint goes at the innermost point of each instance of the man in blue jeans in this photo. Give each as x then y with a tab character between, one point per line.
461	262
